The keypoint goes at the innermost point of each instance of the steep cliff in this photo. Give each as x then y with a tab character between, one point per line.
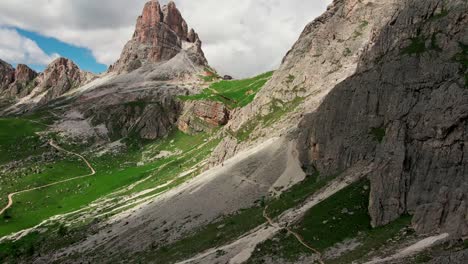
405	110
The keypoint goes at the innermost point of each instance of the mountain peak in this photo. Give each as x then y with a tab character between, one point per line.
160	34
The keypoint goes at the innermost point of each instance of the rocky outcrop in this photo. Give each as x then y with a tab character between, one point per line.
7	75
404	110
17	82
24	82
458	257
160	34
201	116
131	108
59	77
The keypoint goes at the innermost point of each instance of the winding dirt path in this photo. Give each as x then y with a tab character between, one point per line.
296	235
51	143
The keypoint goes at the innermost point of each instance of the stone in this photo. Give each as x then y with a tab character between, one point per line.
201	116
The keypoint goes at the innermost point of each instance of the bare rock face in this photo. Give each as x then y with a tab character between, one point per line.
7	75
59	77
175	21
17	82
24	81
24	73
405	110
160	34
201	116
132	111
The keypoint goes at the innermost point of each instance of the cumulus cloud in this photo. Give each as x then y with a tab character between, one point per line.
15	48
241	37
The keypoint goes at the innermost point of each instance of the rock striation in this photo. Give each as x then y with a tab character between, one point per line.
161	33
405	111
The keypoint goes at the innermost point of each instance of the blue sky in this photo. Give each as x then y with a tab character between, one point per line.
81	56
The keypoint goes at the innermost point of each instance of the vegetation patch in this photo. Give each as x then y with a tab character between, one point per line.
18	139
278	109
340	217
462	59
233	94
114	171
296	194
216	233
443	13
210	75
378	133
358	32
347	52
417	46
290	79
231	227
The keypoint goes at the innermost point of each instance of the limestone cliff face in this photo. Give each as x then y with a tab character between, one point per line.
160	35
405	111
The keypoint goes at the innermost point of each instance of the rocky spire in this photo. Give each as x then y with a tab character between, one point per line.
175	21
160	35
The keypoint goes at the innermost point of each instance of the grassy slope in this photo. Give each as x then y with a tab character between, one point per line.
340	217
234	225
18	139
234	94
113	172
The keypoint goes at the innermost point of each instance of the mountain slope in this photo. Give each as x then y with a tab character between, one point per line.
352	152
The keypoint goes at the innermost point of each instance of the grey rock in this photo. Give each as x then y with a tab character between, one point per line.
460	257
406	110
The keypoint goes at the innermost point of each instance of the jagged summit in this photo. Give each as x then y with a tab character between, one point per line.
160	34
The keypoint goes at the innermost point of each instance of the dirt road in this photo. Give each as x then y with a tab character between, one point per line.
51	143
296	235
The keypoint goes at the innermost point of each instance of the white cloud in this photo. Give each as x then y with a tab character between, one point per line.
15	49
241	37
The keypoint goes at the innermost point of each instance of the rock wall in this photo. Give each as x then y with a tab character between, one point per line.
405	110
